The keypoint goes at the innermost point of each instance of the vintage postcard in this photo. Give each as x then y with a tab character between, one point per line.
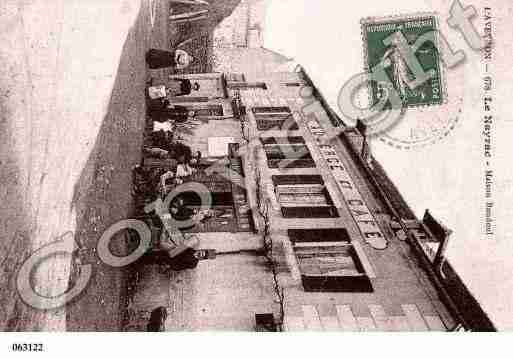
255	166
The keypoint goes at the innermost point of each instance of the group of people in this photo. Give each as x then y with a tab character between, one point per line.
166	115
176	253
163	145
160	109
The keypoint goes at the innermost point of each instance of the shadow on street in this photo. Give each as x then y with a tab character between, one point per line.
102	194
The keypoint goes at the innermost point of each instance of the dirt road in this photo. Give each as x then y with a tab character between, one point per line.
72	112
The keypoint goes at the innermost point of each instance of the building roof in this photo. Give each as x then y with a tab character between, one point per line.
335	119
460	301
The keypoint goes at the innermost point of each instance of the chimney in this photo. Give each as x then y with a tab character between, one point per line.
356	138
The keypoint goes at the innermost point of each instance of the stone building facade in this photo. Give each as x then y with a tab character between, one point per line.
348	252
333	245
341	263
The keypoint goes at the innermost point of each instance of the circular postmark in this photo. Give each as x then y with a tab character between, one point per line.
419	128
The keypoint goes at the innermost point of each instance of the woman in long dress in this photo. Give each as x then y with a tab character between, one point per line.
178	59
161	111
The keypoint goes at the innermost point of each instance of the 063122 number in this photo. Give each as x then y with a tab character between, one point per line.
27	347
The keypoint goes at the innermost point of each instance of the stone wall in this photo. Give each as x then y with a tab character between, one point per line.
201	32
243	28
252	62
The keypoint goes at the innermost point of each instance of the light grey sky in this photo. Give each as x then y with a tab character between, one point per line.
325	37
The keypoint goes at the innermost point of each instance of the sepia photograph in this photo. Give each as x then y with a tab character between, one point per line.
242	166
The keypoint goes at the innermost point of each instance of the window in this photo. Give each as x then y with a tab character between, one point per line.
275	110
235	77
303	197
287	152
247	85
208	110
210	87
274	117
282	151
328	261
319	235
266	123
299	195
285	140
230	211
187	99
295	179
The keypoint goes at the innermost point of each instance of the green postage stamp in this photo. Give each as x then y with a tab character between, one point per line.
417	78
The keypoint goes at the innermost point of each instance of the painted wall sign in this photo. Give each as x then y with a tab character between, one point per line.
361	214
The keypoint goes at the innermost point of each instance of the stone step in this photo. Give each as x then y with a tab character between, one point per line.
435	323
346	318
399	323
293	324
366	324
380	318
415	319
307	317
330	324
311	318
